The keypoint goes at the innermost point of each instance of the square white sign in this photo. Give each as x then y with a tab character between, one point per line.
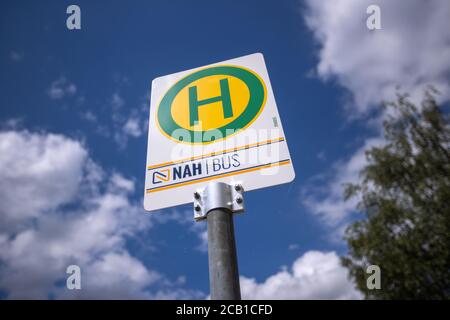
217	122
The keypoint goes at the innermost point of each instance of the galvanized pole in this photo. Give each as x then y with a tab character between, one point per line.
216	203
223	266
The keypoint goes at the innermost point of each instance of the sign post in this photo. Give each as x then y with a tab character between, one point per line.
222	257
218	201
213	132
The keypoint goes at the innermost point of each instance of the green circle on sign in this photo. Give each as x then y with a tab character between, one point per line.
254	107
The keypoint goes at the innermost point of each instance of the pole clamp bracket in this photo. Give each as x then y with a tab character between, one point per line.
218	195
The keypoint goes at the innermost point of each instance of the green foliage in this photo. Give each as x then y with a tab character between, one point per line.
405	195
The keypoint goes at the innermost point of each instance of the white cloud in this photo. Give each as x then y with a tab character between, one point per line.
411	50
59	208
314	275
38	172
327	201
122	276
61	88
132	123
126	121
133	127
118	181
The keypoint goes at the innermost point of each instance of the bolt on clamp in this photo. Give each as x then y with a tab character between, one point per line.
218	195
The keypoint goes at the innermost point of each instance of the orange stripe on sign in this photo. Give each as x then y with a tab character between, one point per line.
281	163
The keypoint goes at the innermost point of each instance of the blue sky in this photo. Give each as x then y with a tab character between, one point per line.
91	87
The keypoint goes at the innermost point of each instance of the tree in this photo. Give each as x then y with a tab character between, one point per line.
404	194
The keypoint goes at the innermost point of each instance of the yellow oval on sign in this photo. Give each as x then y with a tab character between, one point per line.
212	95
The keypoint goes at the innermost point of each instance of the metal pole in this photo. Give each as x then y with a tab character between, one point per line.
223	267
217	203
